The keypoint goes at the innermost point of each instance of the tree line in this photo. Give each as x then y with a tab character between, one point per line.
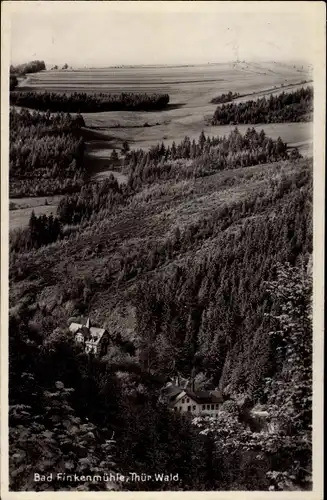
223	98
191	159
41	230
82	102
195	159
293	106
153	166
92	199
72	210
46	153
30	67
22	70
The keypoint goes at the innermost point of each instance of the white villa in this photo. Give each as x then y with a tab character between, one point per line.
95	340
199	402
182	400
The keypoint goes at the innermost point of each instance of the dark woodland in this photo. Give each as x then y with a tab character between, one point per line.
81	102
46	153
296	106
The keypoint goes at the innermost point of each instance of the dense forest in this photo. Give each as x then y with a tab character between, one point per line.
237	301
223	98
182	161
186	160
293	106
46	154
208	249
81	102
41	230
121	427
191	159
237	316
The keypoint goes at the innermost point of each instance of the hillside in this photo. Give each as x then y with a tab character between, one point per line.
190	246
166	225
178	275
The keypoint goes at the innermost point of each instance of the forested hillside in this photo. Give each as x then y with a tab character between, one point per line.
192	159
46	153
293	106
204	253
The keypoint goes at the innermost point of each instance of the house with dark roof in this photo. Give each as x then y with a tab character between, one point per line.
197	402
95	340
181	399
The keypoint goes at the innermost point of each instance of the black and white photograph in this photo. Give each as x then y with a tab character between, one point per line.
162	177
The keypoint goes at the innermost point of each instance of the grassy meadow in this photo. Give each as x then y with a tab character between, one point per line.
190	88
20	209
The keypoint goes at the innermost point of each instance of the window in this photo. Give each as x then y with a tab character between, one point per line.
175	409
188	408
212	407
187	400
183	400
208	407
180	408
203	407
194	407
217	407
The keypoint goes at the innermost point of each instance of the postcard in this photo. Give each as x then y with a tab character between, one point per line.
162	249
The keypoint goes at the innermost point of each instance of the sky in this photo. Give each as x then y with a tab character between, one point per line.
116	33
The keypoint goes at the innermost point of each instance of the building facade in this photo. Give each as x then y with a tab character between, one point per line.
94	340
197	403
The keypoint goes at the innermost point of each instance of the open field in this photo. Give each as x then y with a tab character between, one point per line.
20	209
191	89
19	218
19	203
295	134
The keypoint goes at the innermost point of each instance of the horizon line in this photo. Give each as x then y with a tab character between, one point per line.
171	64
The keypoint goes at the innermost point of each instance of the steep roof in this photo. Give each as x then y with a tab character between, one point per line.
172	391
95	334
203	397
206	396
74	327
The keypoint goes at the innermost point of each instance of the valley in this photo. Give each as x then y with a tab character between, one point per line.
190	245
